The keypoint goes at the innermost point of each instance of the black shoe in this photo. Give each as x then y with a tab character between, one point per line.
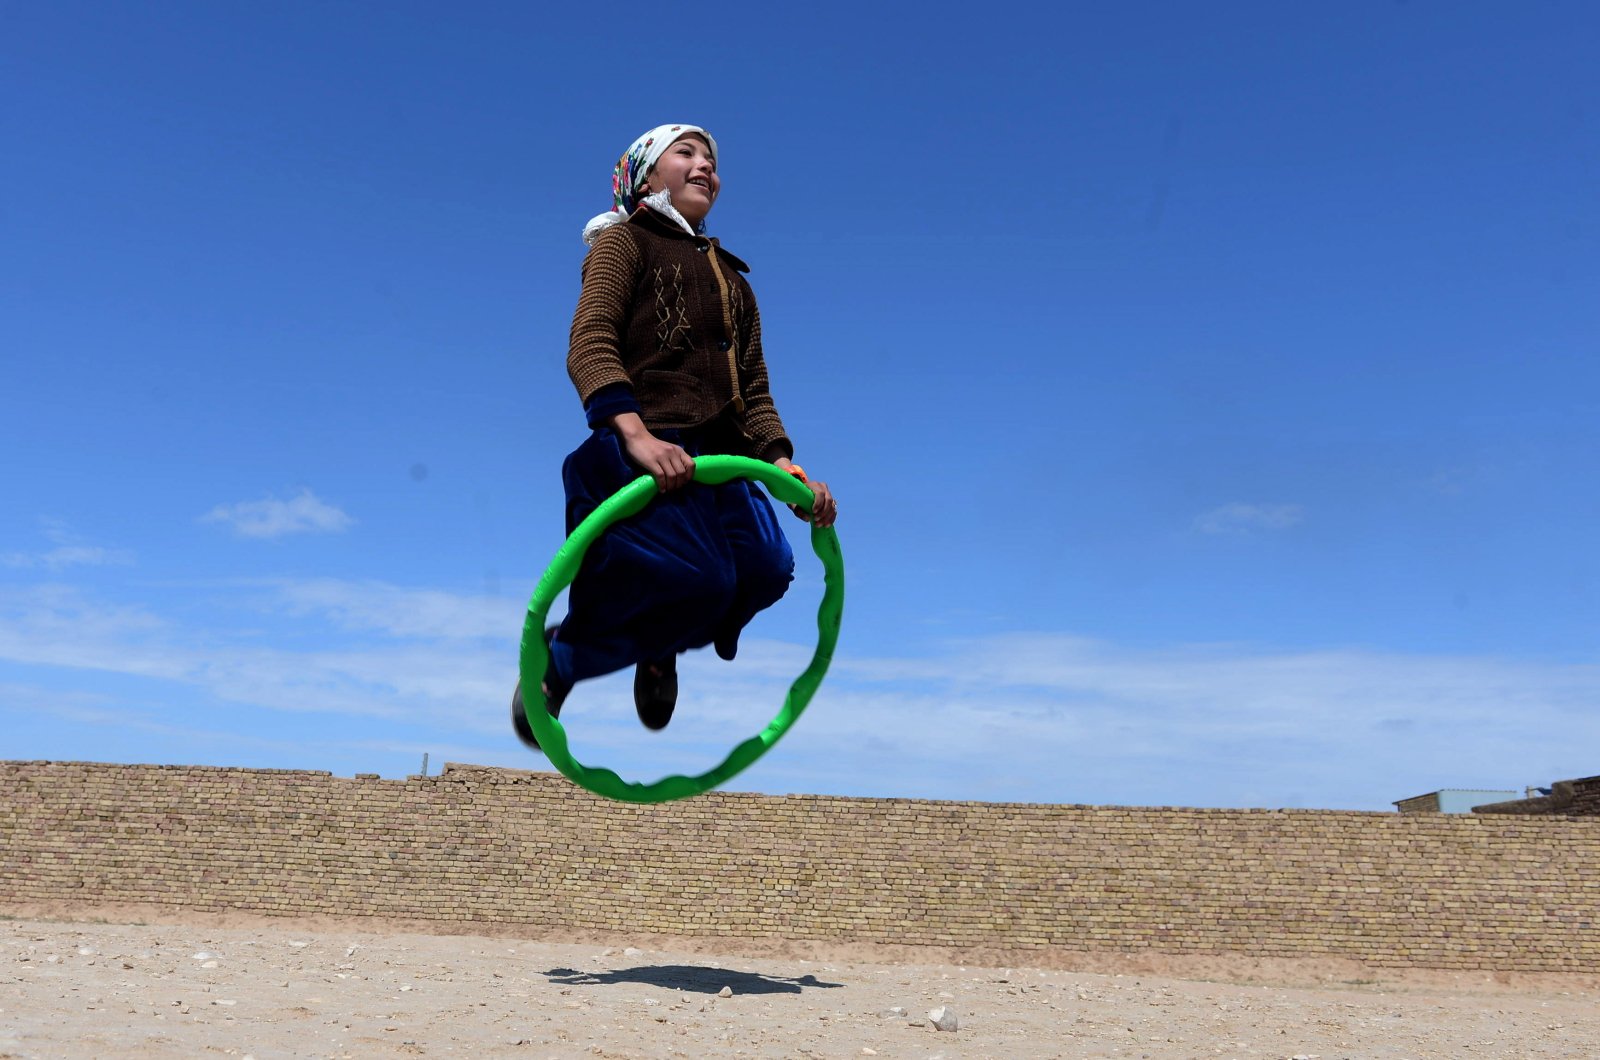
727	645
655	692
554	694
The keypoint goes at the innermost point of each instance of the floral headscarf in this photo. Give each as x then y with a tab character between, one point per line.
630	171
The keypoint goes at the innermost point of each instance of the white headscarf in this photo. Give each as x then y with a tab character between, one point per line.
630	171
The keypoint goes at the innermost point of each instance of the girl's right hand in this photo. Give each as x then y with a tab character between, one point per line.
670	465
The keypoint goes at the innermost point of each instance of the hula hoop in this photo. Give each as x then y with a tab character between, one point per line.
630	500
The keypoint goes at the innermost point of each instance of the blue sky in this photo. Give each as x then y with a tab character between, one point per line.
1210	390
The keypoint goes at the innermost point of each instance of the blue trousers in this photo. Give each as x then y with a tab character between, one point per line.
693	568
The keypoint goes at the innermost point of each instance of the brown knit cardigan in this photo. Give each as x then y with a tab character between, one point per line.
671	316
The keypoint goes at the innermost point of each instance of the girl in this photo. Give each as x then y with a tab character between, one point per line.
666	356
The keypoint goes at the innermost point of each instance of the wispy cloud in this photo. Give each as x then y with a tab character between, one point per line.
304	513
70	550
1038	717
1240	518
63	556
1077	719
58	626
374	606
438	682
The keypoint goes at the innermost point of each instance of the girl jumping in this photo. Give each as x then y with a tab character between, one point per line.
666	355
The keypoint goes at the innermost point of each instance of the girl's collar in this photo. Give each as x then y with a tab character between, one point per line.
662	225
656	206
661	202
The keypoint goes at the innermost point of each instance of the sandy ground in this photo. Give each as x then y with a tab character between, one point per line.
80	985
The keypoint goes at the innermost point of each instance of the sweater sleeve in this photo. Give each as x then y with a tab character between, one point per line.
761	420
610	400
610	273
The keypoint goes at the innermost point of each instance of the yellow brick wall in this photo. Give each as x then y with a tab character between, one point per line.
511	848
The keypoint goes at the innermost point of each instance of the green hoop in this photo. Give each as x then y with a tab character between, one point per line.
630	500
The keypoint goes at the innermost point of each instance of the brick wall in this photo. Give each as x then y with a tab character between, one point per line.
512	848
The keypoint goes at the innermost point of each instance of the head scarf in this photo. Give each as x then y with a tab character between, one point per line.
629	173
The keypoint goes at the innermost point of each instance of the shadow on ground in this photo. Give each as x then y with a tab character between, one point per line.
693	978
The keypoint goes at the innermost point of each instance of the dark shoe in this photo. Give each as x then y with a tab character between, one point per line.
555	697
727	645
655	692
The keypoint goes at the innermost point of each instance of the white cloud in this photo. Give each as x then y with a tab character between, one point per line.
56	626
52	625
374	606
70	551
1048	717
1038	717
303	513
1239	518
64	556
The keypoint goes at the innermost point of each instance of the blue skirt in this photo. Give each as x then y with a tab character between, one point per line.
692	569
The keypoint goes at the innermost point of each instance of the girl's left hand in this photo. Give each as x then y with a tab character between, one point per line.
824	510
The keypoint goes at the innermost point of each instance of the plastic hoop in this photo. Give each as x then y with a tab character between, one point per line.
630	500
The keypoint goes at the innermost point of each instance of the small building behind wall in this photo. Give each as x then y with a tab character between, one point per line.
1452	800
1567	798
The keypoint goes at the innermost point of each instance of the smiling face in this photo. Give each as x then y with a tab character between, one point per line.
688	171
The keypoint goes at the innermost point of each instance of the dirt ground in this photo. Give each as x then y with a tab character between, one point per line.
125	983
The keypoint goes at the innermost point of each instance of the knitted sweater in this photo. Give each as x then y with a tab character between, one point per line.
670	317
